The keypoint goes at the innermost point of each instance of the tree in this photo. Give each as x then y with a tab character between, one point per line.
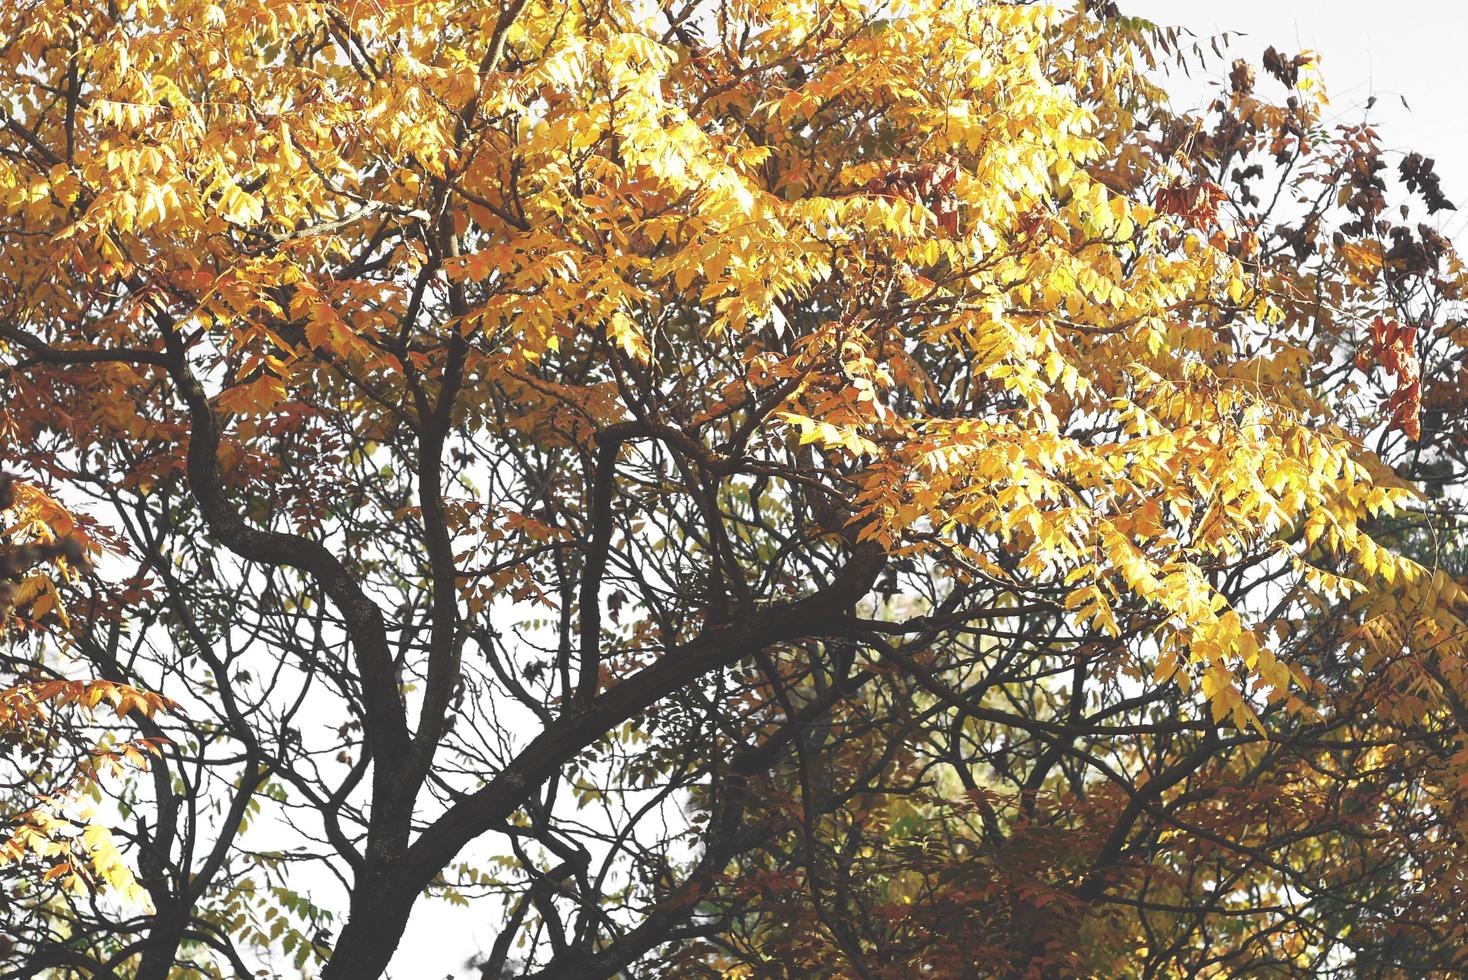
50	830
722	488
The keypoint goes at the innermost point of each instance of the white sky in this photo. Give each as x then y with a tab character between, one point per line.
1407	49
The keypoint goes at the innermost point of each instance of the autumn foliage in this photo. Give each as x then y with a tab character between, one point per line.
719	488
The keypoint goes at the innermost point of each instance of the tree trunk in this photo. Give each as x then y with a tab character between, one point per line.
379	914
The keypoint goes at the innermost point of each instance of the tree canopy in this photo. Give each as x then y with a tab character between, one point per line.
753	488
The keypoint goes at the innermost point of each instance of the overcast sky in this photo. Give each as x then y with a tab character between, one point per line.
1407	49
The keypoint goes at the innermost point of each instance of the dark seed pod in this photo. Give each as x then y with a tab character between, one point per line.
1242	77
